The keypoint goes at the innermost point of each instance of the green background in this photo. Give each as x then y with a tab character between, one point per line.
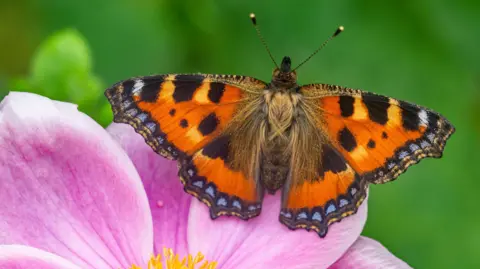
423	51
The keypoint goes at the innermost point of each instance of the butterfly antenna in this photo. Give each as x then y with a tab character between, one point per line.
337	32
254	21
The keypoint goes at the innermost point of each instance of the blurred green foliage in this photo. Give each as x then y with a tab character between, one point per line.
423	51
62	69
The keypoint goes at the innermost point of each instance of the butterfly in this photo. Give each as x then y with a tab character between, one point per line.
237	137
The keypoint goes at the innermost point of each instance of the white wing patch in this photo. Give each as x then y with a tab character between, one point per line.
137	87
423	116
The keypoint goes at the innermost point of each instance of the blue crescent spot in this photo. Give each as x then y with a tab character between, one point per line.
285	214
302	215
391	165
331	208
210	191
353	191
142	117
198	183
431	137
222	202
151	126
343	202
127	103
132	112
403	154
237	204
424	144
317	216
414	147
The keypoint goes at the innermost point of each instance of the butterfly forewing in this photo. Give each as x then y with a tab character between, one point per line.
176	114
379	136
182	117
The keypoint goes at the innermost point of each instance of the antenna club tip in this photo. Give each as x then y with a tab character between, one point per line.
338	31
253	18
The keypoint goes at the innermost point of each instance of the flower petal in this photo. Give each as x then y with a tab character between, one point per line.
25	257
263	242
169	203
66	187
367	253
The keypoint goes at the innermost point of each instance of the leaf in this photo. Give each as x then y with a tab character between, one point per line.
61	68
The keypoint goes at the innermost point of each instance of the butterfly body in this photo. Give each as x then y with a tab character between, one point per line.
283	127
236	137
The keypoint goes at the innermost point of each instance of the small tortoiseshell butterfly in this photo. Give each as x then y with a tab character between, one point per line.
236	136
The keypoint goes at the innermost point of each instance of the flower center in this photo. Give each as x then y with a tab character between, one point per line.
172	261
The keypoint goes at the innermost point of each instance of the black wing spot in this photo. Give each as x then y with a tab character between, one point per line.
410	118
371	144
216	92
218	148
151	90
346	105
185	87
433	119
377	107
128	88
384	135
208	124
332	161
184	123
172	112
347	140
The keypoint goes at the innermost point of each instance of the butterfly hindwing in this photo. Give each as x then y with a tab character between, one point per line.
314	204
182	117
179	114
380	137
209	176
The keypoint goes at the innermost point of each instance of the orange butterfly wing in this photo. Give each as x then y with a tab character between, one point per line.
379	136
335	194
182	117
208	176
373	139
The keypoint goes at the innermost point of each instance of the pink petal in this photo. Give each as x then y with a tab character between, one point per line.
367	253
168	202
263	242
24	257
67	188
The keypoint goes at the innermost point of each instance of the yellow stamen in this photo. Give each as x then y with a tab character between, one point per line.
172	261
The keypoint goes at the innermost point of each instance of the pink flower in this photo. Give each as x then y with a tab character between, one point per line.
71	196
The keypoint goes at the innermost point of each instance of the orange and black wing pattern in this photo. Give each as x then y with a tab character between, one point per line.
316	203
209	176
178	114
182	117
370	139
380	137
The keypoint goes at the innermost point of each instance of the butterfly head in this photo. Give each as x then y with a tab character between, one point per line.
284	77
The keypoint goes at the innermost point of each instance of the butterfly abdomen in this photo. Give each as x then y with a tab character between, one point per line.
275	162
